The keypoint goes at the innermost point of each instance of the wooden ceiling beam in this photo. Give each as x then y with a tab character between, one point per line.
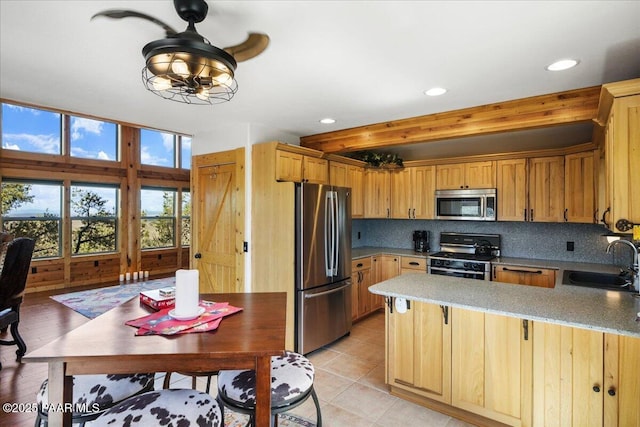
562	108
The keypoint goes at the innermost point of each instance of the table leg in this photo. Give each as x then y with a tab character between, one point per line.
60	395
263	391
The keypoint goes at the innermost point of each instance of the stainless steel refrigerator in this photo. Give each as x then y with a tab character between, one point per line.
323	265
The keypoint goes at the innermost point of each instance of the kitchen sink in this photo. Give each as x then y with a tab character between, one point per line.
609	281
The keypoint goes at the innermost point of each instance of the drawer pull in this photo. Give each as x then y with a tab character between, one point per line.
414	263
359	265
516	270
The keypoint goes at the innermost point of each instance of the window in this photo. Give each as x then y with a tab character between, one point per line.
94	220
185	152
186	218
32	209
157	218
30	129
93	139
157	148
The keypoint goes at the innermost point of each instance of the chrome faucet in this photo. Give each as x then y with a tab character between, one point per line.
635	269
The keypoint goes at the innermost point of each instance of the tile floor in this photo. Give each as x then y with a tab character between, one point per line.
350	385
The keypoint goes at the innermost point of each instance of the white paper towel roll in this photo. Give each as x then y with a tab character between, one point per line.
187	292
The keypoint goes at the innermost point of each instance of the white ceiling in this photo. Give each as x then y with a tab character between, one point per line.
360	62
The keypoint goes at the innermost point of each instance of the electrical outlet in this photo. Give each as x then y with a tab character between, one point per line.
358	235
570	246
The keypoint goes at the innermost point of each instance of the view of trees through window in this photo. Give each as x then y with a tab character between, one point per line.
33	207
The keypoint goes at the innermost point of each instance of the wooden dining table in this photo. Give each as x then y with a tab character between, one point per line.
244	340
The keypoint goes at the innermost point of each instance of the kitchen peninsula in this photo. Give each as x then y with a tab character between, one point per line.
493	353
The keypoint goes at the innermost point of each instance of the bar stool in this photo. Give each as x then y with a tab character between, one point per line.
194	375
172	407
292	378
94	394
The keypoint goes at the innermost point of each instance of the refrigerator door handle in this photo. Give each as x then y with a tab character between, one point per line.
319	294
328	238
336	229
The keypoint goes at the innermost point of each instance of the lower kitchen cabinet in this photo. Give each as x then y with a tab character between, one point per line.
543	277
585	378
419	350
363	302
491	366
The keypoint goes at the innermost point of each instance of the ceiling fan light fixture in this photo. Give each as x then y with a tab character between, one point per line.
563	64
189	71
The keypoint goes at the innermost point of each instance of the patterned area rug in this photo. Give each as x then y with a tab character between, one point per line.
94	302
233	419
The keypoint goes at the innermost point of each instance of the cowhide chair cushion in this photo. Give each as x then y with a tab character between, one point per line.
168	408
291	378
103	390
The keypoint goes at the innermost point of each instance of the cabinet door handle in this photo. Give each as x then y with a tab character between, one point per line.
611	392
596	388
525	327
595	216
414	213
525	214
388	212
409	213
531	219
604	214
565	215
359	265
445	313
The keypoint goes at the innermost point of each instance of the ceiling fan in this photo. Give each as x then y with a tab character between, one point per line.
185	66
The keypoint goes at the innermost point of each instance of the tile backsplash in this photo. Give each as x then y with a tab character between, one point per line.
518	239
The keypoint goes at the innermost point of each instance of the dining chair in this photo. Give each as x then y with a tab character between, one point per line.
292	378
95	394
13	279
172	407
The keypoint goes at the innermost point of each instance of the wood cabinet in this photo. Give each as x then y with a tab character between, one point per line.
511	186
466	175
410	264
619	116
352	176
377	193
579	190
419	351
491	366
543	277
584	378
412	192
546	189
296	167
362	301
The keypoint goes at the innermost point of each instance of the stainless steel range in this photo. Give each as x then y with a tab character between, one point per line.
465	255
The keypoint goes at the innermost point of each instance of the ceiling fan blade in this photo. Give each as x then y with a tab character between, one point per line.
121	13
254	45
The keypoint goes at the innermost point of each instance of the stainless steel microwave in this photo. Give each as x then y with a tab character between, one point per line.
467	205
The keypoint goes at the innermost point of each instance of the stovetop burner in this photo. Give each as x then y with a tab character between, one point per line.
464	256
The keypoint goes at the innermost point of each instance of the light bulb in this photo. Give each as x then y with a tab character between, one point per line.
222	79
161	83
203	94
180	67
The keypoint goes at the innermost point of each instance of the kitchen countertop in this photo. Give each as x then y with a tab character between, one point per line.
595	309
374	250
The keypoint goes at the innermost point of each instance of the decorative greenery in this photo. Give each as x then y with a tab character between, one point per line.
378	160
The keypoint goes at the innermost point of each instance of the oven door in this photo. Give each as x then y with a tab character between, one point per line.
466	274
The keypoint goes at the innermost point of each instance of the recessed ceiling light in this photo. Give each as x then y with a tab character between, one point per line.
563	64
327	121
435	91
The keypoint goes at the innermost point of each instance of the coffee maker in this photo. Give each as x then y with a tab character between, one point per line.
421	241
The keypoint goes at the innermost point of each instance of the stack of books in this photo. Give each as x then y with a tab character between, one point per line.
159	298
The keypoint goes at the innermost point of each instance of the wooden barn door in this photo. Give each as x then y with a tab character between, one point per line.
218	207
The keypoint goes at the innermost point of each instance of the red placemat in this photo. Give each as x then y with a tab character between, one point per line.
161	323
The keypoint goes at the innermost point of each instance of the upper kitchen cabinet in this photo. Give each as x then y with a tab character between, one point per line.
531	189
412	192
299	164
377	193
351	174
619	117
466	175
546	189
579	190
